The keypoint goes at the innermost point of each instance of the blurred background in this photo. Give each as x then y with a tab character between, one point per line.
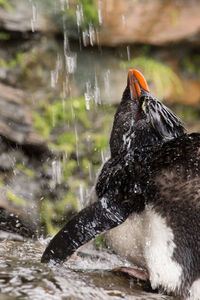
63	68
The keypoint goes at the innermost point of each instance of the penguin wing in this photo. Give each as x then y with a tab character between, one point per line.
102	215
166	123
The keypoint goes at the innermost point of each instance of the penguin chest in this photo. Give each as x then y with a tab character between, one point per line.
164	270
128	239
147	241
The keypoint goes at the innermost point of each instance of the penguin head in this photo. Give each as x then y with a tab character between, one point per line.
141	119
160	117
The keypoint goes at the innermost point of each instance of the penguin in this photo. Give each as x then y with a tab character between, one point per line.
149	196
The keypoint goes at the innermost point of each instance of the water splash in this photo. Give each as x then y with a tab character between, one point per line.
83	277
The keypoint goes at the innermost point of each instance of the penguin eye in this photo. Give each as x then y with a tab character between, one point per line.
138	116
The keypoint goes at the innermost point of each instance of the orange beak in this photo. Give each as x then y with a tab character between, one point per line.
135	82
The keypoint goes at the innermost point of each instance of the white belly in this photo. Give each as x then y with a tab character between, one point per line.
148	242
128	239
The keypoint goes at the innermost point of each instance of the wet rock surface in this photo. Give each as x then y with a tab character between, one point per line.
155	22
16	118
85	276
24	19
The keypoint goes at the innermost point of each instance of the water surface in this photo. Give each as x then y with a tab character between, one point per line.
85	276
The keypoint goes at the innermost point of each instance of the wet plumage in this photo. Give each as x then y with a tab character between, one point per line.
153	180
142	120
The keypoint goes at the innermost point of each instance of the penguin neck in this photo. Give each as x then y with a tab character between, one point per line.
131	128
140	137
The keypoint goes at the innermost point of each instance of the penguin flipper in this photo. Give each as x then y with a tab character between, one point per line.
102	215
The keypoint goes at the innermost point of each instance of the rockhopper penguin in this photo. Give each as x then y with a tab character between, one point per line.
149	190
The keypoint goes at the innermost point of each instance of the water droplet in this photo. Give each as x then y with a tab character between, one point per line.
88	95
100	18
71	62
123	20
102	157
34	17
55	73
91	34
97	96
64	4
79	15
66	42
128	52
56	173
81	197
77	148
90	171
85	37
107	82
137	189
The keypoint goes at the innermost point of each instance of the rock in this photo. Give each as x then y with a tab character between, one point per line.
190	94
154	22
4	235
16	223
24	16
7	161
16	119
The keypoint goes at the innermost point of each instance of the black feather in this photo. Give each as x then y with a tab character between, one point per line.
165	122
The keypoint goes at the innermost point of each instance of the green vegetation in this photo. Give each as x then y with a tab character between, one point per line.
83	12
186	113
10	64
191	65
14	198
4	36
174	17
54	214
161	75
89	12
86	8
72	130
25	170
99	242
6	5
